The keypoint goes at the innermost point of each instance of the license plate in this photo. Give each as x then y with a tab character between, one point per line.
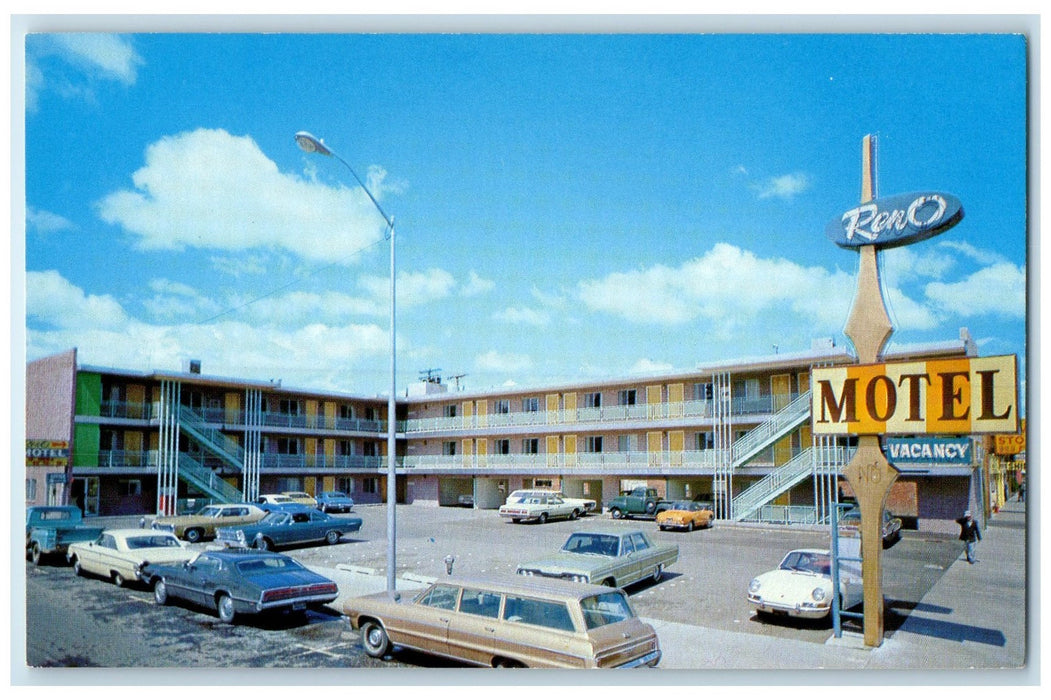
299	606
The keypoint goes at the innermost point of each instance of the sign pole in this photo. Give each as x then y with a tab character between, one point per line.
869	473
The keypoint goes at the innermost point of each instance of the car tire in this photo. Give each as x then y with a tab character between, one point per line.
507	663
651	507
542	519
658	573
118	580
574	515
36	554
689	526
374	639
516	520
615	513
77	570
225	607
263	544
193	535
662	528
332	537
160	592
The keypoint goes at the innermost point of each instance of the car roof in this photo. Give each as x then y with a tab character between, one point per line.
132	532
238	554
606	531
527	585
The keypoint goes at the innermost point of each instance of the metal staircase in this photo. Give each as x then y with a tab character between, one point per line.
765	434
773	484
218	444
205	479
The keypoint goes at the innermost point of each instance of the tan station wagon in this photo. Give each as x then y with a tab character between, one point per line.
509	622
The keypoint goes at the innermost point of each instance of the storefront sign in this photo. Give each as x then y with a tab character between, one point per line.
957	397
1009	444
902	451
47	453
895	221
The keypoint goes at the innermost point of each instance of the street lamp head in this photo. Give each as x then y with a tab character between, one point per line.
311	144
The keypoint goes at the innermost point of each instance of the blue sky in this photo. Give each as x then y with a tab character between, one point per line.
568	207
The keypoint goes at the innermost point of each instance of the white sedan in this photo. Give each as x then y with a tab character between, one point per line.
541	509
802	585
119	555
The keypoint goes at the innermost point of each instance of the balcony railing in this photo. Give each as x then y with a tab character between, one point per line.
236	418
635	461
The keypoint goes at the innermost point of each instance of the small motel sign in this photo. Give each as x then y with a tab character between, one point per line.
933	397
47	453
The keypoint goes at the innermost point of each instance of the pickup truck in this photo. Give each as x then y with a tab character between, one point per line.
640	501
51	529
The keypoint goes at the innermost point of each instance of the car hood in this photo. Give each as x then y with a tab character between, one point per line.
297	577
790	585
182	520
164	555
568	563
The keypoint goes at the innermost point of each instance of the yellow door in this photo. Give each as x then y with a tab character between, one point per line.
551	401
781	390
676	445
552	450
468	451
783	450
569	406
232	406
311	448
330	457
570	444
481	450
653	401
655	447
482	409
675	400
468	414
136	401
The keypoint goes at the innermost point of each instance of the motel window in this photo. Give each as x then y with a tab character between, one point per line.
530	446
626	397
593	443
450	411
704	441
593	400
746	388
129	487
542	483
345	448
370	484
345	484
288	407
502	406
625	443
30	490
502	447
703	391
369	449
289	484
531	405
449	447
371	414
346	411
289	446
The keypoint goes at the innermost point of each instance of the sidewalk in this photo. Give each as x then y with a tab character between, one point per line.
974	617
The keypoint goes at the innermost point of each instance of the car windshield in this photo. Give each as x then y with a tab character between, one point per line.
811	562
606	609
685	505
267	565
274	519
152	541
334	494
209	512
590	543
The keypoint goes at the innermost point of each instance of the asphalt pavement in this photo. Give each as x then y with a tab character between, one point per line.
973	619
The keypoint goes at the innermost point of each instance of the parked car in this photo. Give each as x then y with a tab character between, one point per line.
587	505
509	622
802	586
540	508
301	497
203	523
639	502
334	502
465	500
284	528
120	554
686	515
273	502
50	530
850	526
240	581
612	558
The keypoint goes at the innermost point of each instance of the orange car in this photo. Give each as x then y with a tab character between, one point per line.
685	515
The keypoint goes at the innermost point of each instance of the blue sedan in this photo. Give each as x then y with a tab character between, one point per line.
335	502
281	528
236	582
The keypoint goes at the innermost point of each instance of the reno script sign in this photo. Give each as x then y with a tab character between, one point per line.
895	221
955	397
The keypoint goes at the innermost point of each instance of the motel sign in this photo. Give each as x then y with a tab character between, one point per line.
936	397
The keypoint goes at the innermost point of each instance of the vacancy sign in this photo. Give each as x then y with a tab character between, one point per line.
933	397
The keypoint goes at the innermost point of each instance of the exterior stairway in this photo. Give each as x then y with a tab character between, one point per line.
205	479
215	443
780	424
785	477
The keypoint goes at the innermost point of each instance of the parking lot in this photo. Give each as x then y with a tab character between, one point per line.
705	588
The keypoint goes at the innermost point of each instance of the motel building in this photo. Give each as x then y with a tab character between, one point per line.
737	434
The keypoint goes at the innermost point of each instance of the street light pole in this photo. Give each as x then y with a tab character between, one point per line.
311	144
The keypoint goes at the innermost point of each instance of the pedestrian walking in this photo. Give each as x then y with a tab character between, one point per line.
970	534
1021	493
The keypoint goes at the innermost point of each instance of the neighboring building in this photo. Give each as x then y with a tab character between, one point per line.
736	434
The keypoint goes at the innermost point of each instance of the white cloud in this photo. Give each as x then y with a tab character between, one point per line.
46	222
728	287
998	290
209	189
784	186
476	285
414	288
980	256
647	366
906	263
108	55
492	361
522	316
52	301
